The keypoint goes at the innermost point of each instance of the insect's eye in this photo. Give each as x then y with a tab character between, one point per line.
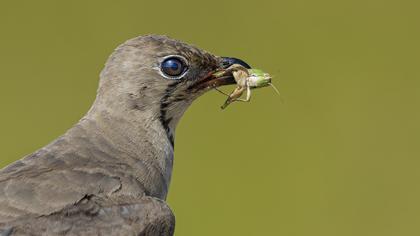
173	67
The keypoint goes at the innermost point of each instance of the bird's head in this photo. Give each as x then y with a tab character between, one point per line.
159	77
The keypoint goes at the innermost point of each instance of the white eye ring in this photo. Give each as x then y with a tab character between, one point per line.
174	62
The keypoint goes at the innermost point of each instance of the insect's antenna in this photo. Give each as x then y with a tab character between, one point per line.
277	91
274	87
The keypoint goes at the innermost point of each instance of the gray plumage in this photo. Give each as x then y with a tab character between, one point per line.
110	173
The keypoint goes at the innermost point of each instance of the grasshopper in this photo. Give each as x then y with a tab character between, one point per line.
246	79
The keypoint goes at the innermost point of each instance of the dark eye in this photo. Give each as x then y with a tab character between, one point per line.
173	66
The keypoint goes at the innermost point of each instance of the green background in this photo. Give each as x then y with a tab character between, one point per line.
341	154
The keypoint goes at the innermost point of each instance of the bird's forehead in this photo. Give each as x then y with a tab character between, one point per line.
162	46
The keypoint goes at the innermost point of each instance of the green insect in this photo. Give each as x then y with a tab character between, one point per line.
246	79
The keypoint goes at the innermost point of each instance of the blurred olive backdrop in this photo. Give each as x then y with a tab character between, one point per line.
340	155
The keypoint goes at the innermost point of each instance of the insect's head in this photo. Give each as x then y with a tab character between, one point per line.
258	78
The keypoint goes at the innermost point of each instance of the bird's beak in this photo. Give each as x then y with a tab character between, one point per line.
221	76
226	62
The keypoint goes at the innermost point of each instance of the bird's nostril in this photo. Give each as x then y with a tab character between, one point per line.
228	61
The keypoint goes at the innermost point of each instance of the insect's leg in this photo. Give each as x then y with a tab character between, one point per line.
220	91
236	67
228	71
227	102
248	95
233	96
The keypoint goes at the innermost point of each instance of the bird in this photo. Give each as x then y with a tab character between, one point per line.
110	173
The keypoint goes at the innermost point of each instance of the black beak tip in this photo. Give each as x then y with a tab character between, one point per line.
228	61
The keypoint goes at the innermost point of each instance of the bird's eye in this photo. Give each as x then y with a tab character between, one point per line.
173	67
